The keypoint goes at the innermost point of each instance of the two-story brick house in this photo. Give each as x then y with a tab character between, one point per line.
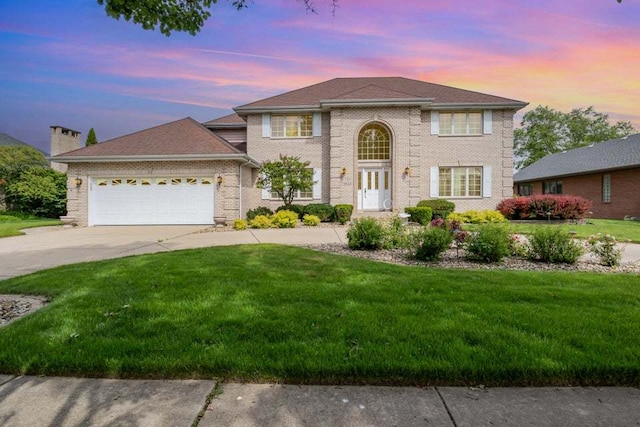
378	143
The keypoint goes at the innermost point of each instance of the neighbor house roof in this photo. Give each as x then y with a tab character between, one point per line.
230	121
378	90
9	140
619	153
179	140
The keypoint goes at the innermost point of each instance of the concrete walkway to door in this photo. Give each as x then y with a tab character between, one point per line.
55	246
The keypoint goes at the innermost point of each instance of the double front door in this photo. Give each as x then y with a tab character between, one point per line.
374	189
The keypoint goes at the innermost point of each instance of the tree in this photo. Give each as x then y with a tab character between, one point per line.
174	15
286	177
16	159
546	131
39	191
91	138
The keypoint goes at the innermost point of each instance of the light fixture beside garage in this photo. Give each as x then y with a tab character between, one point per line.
78	181
219	180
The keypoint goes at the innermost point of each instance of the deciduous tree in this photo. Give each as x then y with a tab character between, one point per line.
286	177
546	131
174	15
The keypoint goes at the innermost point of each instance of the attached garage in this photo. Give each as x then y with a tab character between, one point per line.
176	173
147	201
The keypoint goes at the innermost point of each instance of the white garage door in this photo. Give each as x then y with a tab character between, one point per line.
160	200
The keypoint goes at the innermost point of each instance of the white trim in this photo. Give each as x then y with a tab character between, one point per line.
317	183
435	123
433	183
486	181
317	124
488	122
266	125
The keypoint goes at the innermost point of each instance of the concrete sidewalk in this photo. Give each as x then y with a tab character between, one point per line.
51	401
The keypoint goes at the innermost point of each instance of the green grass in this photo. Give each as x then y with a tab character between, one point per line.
268	312
13	227
622	230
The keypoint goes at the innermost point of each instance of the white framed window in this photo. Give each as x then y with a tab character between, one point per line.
460	181
460	123
298	194
291	126
606	188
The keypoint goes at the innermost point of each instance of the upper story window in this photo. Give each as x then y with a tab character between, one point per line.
291	126
461	123
374	143
552	187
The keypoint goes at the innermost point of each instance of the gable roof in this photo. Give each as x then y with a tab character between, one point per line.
230	121
9	140
609	155
181	139
379	89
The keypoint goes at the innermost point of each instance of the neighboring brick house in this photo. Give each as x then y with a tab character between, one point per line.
379	143
607	173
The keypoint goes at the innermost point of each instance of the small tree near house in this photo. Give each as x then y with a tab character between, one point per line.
286	177
91	138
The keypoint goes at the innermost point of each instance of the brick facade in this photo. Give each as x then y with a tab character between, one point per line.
412	146
625	198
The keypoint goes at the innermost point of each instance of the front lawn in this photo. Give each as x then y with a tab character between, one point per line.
268	312
622	230
10	228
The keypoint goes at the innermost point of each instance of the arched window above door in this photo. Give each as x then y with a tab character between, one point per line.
374	142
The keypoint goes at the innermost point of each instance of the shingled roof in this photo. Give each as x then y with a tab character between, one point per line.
341	90
614	154
9	140
185	138
230	121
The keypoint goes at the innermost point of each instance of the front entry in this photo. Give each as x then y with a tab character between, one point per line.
374	189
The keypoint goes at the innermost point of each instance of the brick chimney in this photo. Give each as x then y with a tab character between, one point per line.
62	141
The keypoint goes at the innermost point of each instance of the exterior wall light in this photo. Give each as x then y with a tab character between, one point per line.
343	172
407	171
78	181
219	179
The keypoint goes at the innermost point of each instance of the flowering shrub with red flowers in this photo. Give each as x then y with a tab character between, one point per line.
545	206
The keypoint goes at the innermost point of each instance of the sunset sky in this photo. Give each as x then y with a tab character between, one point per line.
67	63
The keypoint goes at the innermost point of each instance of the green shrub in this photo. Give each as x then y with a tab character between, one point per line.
261	221
343	213
477	217
260	210
298	209
421	215
428	243
552	244
365	233
491	243
311	220
604	247
285	219
324	211
439	207
239	224
38	191
393	233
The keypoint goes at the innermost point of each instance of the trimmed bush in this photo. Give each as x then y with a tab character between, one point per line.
260	210
491	243
260	221
365	234
428	243
343	213
478	217
240	224
552	244
311	220
393	232
324	211
545	206
298	209
285	219
439	207
421	215
604	247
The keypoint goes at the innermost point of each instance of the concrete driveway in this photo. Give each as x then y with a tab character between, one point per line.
54	246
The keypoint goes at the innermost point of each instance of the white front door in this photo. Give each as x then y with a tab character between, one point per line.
374	189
